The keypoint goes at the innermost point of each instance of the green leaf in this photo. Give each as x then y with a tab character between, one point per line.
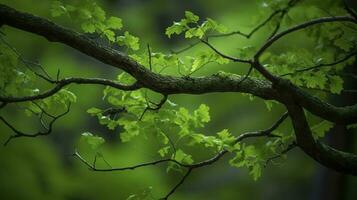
182	25
67	95
128	40
110	35
248	157
114	23
210	24
182	157
99	13
164	151
256	171
57	9
320	129
191	17
194	32
131	130
336	84
202	113
176	28
88	27
226	137
94	141
94	111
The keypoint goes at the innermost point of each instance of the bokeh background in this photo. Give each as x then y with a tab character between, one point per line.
43	168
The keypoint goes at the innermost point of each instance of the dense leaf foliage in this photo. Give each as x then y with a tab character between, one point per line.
143	113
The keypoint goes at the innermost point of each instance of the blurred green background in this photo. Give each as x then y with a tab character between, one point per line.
43	168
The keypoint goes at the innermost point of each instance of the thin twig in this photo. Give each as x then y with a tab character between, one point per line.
158	106
149	55
39	133
349	10
345	58
223	55
285	151
304	25
182	180
63	82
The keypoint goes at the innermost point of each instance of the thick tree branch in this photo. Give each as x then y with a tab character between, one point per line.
175	85
339	115
337	160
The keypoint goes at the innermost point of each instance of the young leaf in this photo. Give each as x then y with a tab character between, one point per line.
320	129
176	28
94	141
128	40
192	18
114	23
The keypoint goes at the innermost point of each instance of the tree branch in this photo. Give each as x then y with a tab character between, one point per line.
62	83
190	167
334	159
182	180
345	58
304	25
285	151
223	55
39	133
176	85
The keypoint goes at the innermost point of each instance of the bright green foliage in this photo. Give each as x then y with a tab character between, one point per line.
93	19
160	61
92	140
114	23
320	129
182	157
204	58
182	25
14	81
186	65
296	67
128	40
223	140
90	15
255	157
57	103
170	124
63	97
158	123
192	29
248	156
175	127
